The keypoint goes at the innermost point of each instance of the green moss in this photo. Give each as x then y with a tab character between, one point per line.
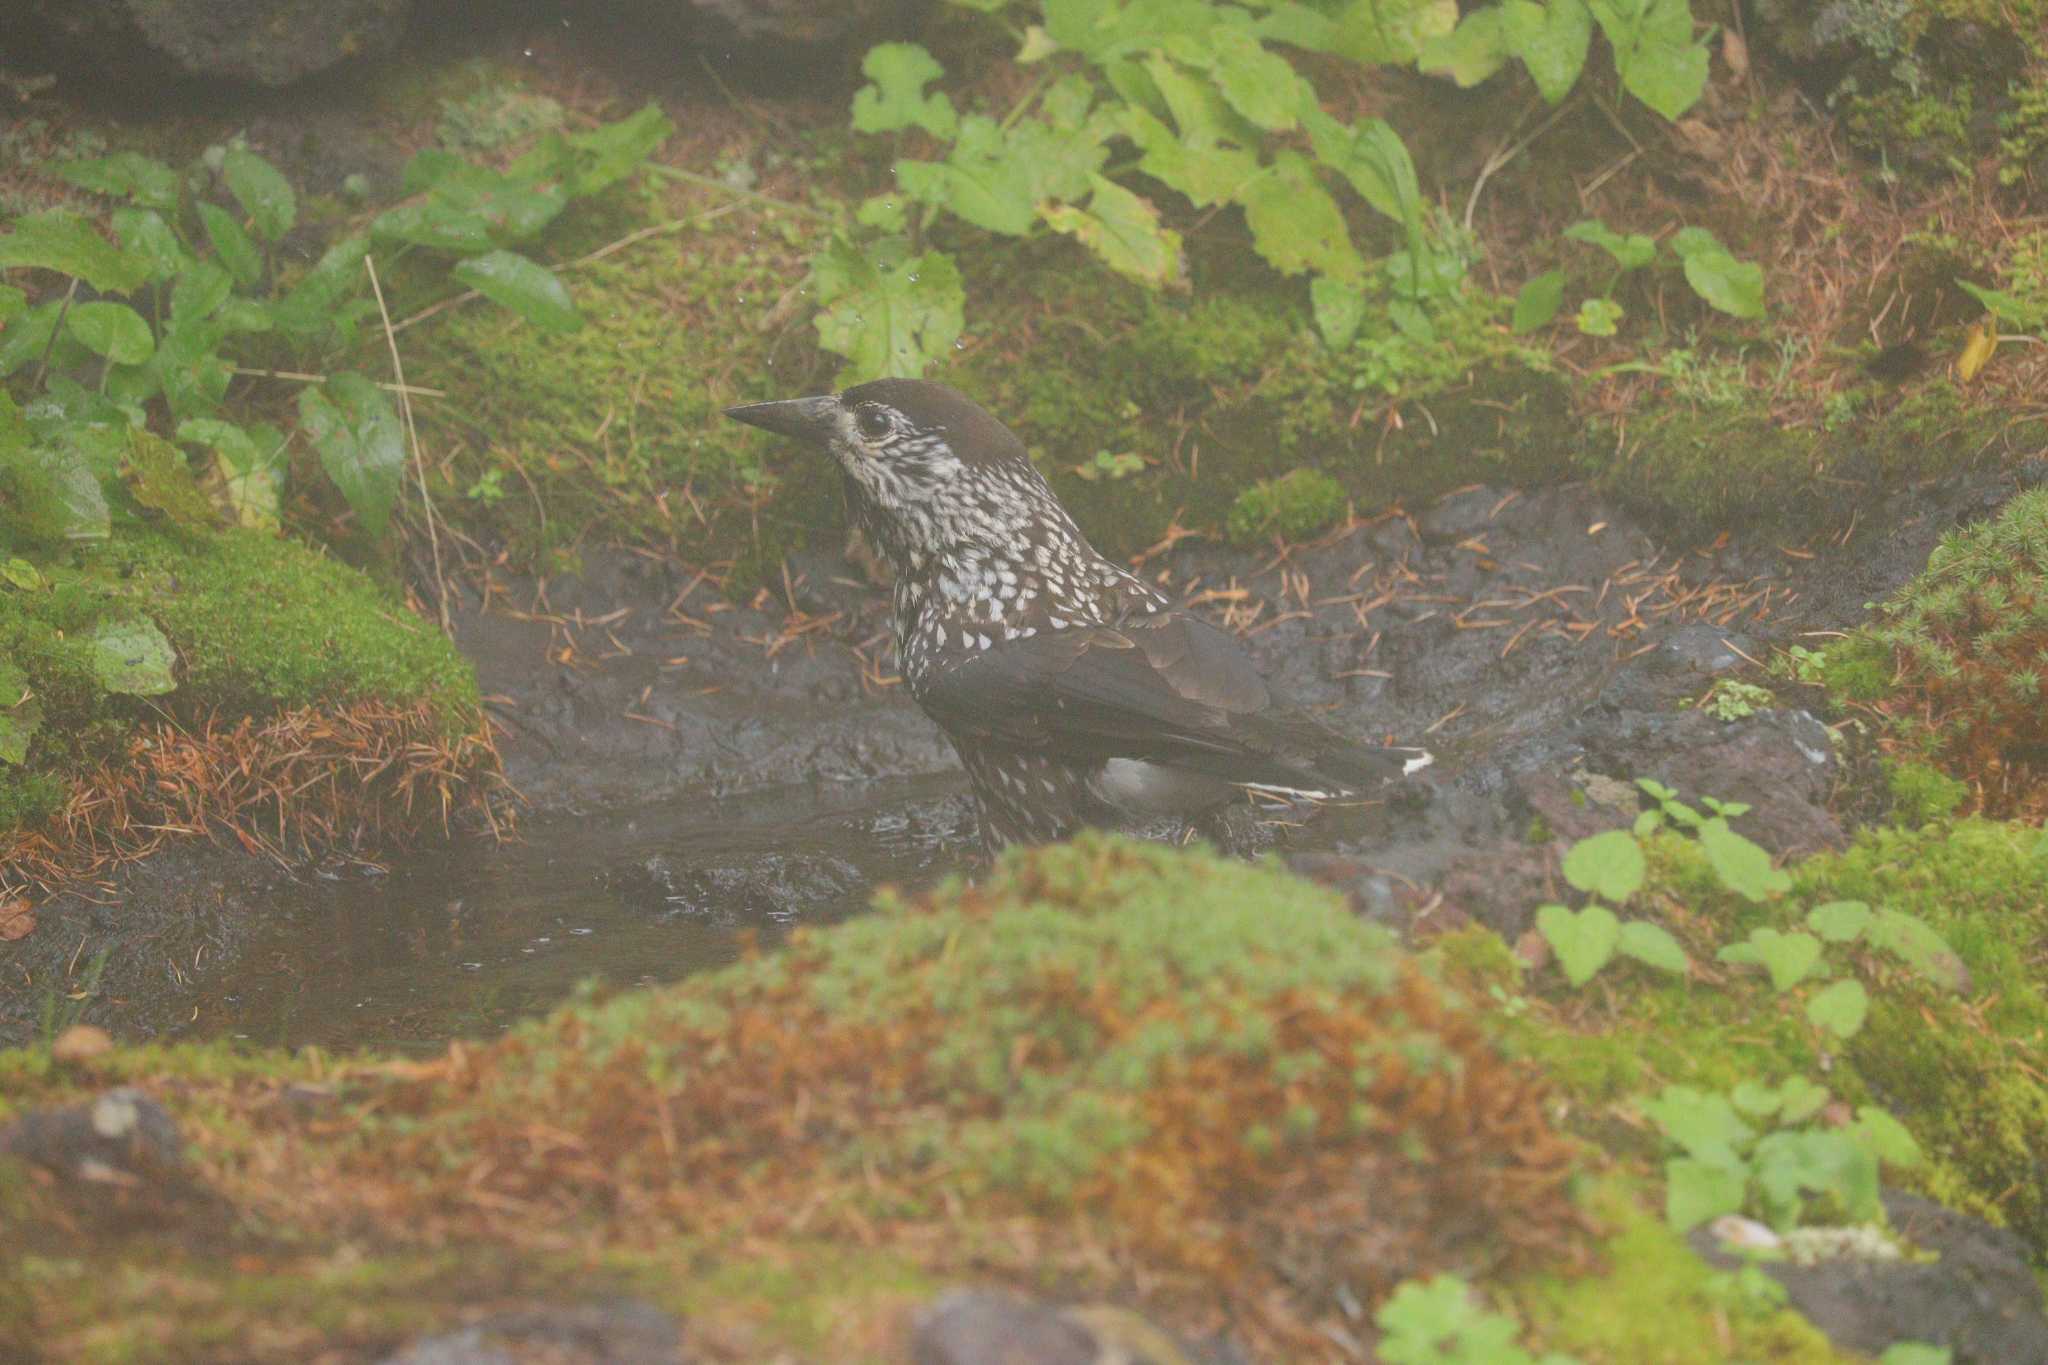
1294	506
1704	1316
259	624
1921	794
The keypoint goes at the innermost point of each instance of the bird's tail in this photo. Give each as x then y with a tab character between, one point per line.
1355	770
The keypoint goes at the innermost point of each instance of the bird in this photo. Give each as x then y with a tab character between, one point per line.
1074	692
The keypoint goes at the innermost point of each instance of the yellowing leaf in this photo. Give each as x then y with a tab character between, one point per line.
1123	229
1977	352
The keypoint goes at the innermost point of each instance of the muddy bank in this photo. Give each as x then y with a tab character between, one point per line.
696	768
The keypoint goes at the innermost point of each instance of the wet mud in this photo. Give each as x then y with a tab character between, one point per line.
699	773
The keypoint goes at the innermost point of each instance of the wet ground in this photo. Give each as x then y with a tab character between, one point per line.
700	772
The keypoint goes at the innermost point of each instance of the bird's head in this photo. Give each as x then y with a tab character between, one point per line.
927	471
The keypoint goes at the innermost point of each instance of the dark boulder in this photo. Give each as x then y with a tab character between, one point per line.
261	42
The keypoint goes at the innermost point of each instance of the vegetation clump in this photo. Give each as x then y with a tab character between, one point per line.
1956	662
1294	506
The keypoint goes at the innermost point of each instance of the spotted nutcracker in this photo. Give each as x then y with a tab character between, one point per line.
1075	693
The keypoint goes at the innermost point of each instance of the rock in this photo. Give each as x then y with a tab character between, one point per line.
115	1158
992	1327
799	21
1460	515
266	42
625	1332
1979	1299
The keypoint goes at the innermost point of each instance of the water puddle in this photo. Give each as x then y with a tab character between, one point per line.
463	942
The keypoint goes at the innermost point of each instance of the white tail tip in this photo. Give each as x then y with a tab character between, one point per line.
1423	758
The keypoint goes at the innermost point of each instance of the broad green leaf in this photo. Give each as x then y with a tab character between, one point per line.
1296	225
1537	303
226	439
1840	1008
351	424
1916	1353
1206	175
528	289
21	574
1653	945
1787	957
113	330
161	481
1735	287
1583	941
250	465
888	313
27	337
1707	1126
1037	44
1800	1099
52	491
882	212
981	182
148	238
2024	315
1202	117
1390	32
1610	865
1886	1136
896	98
1551	39
1339	310
468	209
1469	53
1787	1164
1839	921
65	242
1697	1192
199	292
309	307
194	375
264	194
1259	84
606	155
1124	231
21	714
231	244
1919	946
132	656
1654	52
244	315
1373	158
1742	865
1297	25
436	225
1630	252
147	182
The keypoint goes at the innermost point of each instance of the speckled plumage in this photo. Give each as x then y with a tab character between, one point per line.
1073	691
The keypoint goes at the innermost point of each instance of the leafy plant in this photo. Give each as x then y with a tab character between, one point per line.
1201	97
1733	699
1438	1322
1610	866
1756	1149
1734	287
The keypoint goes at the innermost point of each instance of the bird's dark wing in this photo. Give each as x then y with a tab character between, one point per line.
1166	689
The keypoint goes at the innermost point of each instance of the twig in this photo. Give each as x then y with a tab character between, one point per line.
1502	157
419	463
43	365
304	378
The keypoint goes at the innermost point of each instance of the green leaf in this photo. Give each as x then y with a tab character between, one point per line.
1471	52
1205	174
227	439
1373	158
147	182
1610	865
1839	921
886	312
980	182
1920	946
132	657
161	481
1915	1353
468	209
264	194
1339	310
351	424
1583	941
1743	866
1124	231
605	155
1296	225
22	574
199	292
231	244
1654	52
528	289
250	464
1788	1163
1787	957
309	307
1697	1192
1841	1008
436	225
65	242
1735	287
21	714
113	330
1886	1136
1538	302
13	302
2023	315
52	491
1653	945
899	73
1259	84
1551	40
1630	252
148	238
1390	32
194	376
1706	1126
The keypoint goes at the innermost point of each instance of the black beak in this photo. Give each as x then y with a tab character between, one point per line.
807	419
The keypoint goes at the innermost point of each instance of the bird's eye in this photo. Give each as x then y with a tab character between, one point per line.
873	422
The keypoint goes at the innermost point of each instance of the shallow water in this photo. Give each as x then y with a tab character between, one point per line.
464	941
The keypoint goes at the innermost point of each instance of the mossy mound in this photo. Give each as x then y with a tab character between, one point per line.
258	627
1962	1068
1198	1074
1955	664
